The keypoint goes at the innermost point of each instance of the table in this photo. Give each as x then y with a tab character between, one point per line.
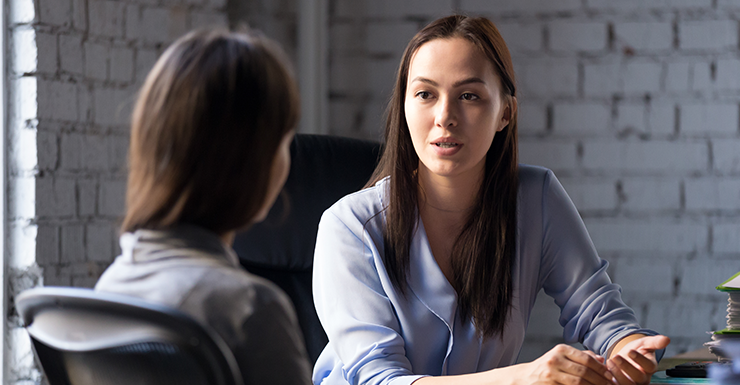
666	363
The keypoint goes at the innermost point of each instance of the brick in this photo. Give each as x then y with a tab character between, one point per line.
726	239
708	35
84	152
86	197
549	78
532	118
121	64
389	38
145	59
117	152
642	78
644	157
381	75
726	154
25	52
645	36
347	74
47	53
106	18
99	245
374	120
578	36
24	104
344	37
70	54
55	12
133	21
713	194
23	245
161	25
701	276
591	118
677	77
54	277
707	119
20	207
21	12
57	100
393	9
554	155
623	236
47	245
112	198
651	194
55	197
637	5
79	14
522	37
631	118
112	106
208	19
521	6
661	118
728	74
96	61
588	194
701	77
697	317
344	115
84	103
601	79
48	150
218	4
73	243
640	276
23	150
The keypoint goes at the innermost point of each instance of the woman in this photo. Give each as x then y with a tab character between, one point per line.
429	275
209	153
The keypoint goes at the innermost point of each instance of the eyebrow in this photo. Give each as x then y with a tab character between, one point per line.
456	84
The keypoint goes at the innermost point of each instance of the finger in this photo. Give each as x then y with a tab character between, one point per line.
637	375
587	374
596	356
654	342
590	362
620	377
647	362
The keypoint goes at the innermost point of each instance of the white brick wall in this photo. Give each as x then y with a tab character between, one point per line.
75	66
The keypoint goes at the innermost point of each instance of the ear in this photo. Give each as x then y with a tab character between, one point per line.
509	112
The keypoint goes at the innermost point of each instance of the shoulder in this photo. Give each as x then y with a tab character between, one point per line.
360	206
534	179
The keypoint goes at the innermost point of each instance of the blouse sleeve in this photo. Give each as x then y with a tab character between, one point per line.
353	306
591	308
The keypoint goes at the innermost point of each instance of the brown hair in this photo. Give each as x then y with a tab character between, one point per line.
483	254
205	130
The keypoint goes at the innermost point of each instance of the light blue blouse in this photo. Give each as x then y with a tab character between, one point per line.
378	336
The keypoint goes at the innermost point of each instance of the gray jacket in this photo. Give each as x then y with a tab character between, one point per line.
190	269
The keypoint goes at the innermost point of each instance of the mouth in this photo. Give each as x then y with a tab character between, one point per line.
445	144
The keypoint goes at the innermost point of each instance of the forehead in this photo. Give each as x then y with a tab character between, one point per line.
450	58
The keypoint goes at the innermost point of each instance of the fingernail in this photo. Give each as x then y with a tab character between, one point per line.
633	354
618	359
608	375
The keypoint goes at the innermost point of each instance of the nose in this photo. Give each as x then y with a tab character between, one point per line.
446	114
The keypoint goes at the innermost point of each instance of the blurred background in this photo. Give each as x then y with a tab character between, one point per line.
634	104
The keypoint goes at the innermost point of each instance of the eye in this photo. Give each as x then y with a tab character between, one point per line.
469	96
423	95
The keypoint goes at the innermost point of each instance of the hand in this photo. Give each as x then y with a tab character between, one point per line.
635	362
567	365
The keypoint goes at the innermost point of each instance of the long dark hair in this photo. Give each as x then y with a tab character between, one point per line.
210	98
483	254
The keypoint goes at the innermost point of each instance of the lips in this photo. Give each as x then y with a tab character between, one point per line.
446	146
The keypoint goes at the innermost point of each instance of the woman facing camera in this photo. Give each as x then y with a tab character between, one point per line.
429	275
209	154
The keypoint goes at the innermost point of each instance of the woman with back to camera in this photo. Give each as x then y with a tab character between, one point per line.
209	153
429	274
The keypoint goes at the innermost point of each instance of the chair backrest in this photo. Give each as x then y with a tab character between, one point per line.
323	169
82	337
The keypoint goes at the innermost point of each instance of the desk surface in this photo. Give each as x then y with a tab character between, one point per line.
666	363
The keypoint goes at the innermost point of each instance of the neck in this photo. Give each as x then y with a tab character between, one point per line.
228	238
456	194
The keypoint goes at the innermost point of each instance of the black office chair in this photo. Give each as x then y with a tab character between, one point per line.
323	169
85	337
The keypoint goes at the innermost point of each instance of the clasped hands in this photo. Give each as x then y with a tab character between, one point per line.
632	362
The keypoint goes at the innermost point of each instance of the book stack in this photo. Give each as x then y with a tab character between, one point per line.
730	334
